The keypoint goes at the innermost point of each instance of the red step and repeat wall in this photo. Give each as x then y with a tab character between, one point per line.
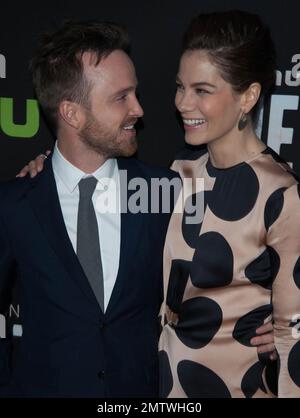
156	29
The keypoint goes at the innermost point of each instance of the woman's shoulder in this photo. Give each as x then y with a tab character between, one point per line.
273	171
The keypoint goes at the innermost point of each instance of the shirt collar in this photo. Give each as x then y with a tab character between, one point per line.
71	175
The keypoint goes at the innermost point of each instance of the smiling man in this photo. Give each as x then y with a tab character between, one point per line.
89	284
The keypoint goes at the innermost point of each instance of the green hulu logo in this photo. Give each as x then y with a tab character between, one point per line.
7	125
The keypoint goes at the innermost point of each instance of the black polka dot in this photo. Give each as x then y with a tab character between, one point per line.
293	364
275	261
212	264
198	381
246	326
264	268
252	380
230	199
278	363
272	376
296	273
273	207
179	274
199	320
190	229
165	375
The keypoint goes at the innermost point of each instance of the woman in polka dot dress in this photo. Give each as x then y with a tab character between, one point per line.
239	264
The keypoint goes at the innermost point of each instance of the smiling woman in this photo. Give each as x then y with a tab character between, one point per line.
239	266
208	107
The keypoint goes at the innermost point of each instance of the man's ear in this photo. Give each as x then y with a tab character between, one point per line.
71	113
250	97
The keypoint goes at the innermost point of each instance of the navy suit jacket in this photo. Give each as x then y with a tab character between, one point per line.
69	347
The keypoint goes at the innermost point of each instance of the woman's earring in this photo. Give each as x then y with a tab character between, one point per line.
243	121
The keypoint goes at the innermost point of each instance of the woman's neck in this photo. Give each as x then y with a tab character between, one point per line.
234	149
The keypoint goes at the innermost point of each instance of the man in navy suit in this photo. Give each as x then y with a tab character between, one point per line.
89	283
83	338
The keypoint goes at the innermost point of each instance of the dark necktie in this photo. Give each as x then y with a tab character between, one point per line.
88	246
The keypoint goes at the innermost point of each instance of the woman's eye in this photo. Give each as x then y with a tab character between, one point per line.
179	86
201	92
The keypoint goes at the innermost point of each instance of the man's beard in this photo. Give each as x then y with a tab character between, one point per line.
105	143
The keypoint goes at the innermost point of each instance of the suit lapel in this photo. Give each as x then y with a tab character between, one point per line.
45	204
131	227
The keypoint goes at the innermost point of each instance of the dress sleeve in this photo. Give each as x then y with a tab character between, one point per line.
283	241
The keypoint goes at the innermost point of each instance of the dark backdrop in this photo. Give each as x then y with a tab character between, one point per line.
156	28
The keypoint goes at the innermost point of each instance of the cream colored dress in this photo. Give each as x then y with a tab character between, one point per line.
226	275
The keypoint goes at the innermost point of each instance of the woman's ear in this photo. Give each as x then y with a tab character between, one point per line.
250	97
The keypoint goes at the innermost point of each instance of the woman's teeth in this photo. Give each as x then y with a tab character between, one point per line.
193	122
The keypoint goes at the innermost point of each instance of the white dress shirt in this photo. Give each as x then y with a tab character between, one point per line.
67	177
